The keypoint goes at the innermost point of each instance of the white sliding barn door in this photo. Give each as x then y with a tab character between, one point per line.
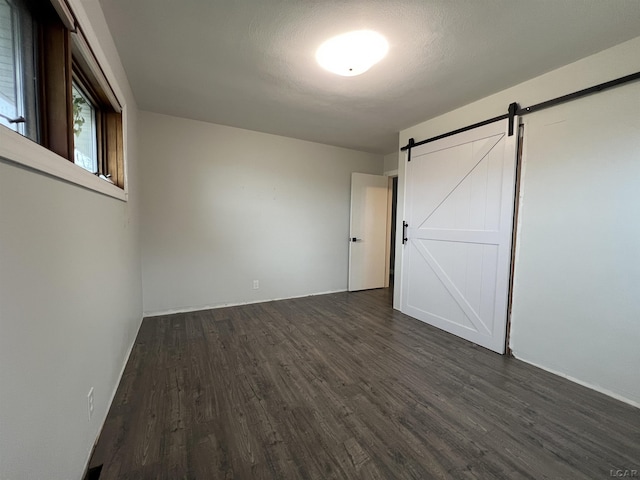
368	231
459	196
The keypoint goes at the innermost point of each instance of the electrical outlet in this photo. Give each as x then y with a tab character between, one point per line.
90	402
256	284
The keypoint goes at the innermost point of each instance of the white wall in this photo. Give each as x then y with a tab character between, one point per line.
224	206
70	302
575	306
391	163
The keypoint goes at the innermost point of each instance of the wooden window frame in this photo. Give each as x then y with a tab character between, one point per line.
90	75
54	79
64	56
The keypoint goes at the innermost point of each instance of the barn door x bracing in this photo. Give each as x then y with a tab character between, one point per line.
459	197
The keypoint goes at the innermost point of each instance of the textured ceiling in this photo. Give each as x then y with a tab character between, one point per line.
250	63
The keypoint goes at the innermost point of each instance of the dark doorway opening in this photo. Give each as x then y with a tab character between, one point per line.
392	256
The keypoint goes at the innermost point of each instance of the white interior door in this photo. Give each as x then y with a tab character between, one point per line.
459	196
368	231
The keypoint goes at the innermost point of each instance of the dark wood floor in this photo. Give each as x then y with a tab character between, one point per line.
341	386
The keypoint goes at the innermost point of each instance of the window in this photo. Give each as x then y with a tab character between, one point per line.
17	69
85	140
53	90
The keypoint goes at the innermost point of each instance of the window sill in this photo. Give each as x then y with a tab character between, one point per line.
18	149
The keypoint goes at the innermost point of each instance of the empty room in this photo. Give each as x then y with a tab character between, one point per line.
332	239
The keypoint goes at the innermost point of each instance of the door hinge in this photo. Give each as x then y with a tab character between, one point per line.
404	232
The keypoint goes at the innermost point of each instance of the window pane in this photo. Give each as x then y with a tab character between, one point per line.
17	69
84	131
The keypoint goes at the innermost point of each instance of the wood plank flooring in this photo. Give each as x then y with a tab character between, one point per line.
342	386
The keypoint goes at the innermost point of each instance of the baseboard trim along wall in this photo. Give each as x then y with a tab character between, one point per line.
113	396
591	386
232	304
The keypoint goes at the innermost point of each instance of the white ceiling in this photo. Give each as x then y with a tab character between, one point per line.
250	63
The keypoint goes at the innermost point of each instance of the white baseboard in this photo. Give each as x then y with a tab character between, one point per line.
591	386
231	304
113	396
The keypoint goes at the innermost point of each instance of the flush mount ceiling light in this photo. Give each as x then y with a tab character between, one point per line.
352	53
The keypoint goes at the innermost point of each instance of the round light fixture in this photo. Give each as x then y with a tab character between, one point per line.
352	53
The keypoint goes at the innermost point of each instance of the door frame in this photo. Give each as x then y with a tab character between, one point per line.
516	228
387	273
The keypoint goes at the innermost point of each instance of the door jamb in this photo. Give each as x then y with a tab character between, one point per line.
390	175
516	207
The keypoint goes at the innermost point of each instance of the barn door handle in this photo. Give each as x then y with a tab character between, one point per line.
404	232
